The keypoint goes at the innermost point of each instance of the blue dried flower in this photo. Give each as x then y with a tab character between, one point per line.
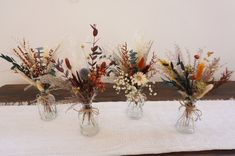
84	72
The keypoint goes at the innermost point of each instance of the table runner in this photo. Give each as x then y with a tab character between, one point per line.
23	133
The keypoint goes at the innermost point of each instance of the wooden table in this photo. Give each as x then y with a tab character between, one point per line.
14	94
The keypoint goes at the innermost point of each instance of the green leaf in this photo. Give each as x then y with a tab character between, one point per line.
182	66
133	57
52	72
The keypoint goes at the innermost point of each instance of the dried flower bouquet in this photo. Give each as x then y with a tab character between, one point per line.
86	83
193	81
34	66
133	73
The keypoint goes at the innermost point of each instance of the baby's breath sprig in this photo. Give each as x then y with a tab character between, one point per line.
132	71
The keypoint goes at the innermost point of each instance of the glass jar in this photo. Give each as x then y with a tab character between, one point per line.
46	106
88	119
135	107
189	114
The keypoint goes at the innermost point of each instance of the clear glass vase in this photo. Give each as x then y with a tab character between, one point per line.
135	106
46	106
88	118
189	114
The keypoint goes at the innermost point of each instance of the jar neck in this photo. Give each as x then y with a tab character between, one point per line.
139	93
190	101
44	93
87	106
86	99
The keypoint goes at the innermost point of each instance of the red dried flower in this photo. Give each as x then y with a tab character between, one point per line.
95	31
68	64
197	56
141	63
103	65
193	77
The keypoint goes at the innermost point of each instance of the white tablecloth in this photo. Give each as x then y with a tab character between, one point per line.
22	133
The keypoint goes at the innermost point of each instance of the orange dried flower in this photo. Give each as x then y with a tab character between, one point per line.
141	63
209	53
199	72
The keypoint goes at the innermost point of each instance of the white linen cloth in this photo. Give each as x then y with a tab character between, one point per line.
22	133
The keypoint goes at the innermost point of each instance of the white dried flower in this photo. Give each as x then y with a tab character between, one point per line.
139	78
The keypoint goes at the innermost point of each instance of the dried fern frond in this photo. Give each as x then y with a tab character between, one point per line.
210	70
124	56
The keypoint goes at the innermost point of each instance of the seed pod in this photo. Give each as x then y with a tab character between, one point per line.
68	64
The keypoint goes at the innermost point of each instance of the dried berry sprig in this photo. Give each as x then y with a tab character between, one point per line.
125	56
150	68
96	50
225	77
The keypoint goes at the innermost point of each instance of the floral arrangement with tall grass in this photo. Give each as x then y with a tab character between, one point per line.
86	82
133	73
33	64
193	80
36	67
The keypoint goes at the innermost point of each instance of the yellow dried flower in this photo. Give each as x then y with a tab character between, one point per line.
76	90
209	53
164	62
189	69
82	46
200	86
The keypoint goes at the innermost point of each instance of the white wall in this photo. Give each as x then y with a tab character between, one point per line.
192	24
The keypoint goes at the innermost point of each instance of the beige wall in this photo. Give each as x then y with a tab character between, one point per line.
192	24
